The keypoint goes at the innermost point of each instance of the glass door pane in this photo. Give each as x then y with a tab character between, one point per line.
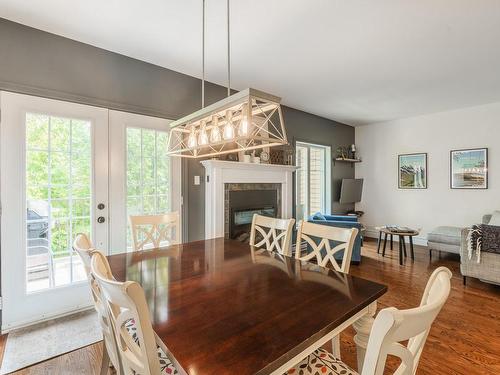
148	173
58	198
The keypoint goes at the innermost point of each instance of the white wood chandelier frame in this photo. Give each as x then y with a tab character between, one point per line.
244	121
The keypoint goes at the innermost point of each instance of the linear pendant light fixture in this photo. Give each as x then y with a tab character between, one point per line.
247	120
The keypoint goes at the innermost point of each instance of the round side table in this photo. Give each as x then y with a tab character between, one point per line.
402	244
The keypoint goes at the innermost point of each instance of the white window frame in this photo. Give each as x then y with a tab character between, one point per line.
327	193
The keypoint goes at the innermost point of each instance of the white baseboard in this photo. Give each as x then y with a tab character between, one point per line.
372	233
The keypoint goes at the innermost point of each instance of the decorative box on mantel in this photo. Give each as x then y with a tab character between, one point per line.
219	173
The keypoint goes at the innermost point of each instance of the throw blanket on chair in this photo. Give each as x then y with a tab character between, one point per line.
483	237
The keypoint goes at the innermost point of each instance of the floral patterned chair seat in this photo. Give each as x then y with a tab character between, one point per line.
166	366
321	362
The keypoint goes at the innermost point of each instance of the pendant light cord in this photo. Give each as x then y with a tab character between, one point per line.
228	52
203	54
203	58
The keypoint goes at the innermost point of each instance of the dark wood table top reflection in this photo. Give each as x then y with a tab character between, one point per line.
221	307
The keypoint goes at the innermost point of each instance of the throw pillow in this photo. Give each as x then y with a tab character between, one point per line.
319	216
495	218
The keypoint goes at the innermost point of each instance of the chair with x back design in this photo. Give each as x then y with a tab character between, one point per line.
322	250
153	231
272	233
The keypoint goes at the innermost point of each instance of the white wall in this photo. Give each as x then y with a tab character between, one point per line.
379	145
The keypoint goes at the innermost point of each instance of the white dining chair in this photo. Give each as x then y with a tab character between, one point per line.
129	315
150	231
83	246
272	233
319	238
390	328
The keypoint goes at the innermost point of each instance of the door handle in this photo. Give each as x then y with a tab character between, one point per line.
101	219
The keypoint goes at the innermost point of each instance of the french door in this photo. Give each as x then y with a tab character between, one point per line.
143	180
51	181
68	168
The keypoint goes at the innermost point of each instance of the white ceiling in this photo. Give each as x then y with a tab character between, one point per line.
353	61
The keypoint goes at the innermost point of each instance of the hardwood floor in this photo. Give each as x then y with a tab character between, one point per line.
465	339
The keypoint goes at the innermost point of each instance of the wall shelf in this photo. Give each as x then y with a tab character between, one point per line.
346	160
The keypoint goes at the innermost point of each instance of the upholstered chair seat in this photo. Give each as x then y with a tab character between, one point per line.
166	366
321	362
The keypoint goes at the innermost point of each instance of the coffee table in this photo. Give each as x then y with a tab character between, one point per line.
402	244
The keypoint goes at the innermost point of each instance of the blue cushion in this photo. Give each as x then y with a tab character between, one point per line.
319	216
342	218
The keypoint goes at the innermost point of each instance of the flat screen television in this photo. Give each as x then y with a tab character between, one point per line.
351	190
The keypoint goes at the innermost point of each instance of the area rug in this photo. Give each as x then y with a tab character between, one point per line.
40	342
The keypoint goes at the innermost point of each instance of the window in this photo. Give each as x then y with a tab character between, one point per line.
312	180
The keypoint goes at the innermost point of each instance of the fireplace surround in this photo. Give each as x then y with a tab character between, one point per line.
224	177
242	200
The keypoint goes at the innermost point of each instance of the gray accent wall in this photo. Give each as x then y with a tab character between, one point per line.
39	63
306	127
300	126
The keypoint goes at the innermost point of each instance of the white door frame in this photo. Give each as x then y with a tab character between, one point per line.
19	307
118	123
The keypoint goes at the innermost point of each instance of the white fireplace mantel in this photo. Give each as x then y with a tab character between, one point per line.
220	172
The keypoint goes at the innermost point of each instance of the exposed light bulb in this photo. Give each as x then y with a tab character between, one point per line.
215	132
203	137
228	128
192	138
244	127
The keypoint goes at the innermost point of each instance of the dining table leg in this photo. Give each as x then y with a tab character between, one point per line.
379	241
363	327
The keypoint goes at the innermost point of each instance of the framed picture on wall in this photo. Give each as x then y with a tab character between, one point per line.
469	169
412	171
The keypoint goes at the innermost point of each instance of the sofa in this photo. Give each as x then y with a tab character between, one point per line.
342	221
488	269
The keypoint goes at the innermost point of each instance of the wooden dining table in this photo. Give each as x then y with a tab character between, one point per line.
223	307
